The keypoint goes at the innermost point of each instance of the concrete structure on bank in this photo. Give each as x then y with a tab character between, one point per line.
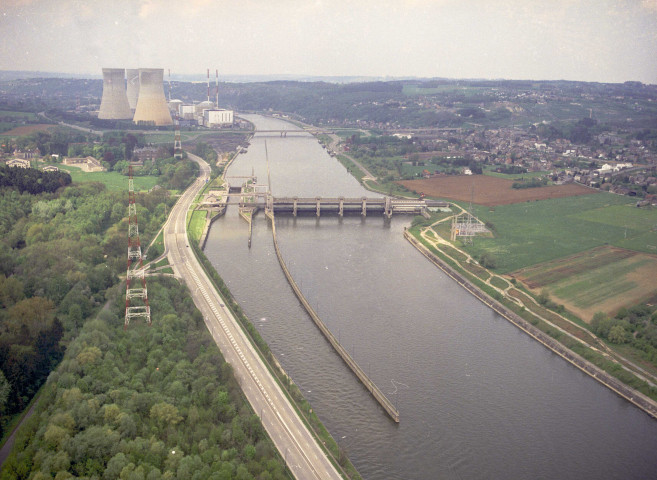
114	103
152	105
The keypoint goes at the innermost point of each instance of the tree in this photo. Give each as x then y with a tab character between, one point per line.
617	335
165	414
5	388
488	260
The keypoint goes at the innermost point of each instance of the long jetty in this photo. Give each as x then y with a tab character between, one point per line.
351	363
640	400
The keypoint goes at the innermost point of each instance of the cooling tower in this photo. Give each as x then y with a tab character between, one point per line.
114	104
133	87
151	104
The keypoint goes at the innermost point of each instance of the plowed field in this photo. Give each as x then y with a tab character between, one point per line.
602	279
489	191
27	129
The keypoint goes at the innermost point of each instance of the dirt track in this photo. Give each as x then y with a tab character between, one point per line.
489	191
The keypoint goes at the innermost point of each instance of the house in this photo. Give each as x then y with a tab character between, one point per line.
50	168
87	164
18	163
26	154
146	153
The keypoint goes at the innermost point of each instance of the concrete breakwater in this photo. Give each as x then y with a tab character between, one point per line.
351	363
637	398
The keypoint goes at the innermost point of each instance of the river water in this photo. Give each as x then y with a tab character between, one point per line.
478	398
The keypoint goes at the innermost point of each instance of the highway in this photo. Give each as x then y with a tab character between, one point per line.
301	452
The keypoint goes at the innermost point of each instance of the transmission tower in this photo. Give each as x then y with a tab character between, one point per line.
137	293
177	142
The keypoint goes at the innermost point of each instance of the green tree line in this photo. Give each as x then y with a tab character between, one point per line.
152	403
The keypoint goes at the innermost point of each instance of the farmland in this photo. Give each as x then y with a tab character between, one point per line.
534	232
488	190
601	279
27	129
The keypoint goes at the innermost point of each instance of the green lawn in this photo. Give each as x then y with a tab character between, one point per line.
533	232
112	180
514	176
25	115
197	224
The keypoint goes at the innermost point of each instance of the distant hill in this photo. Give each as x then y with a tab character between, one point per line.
202	77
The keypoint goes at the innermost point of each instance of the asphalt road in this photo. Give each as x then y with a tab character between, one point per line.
297	446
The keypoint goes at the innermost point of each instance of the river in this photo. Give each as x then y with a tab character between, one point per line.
478	399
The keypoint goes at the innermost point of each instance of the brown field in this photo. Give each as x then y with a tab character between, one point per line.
602	279
27	129
489	191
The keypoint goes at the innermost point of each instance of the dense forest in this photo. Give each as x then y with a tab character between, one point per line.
59	252
144	403
150	403
31	180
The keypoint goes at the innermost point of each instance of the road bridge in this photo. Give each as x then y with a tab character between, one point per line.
284	133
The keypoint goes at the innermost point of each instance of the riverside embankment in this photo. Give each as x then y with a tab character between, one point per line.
637	398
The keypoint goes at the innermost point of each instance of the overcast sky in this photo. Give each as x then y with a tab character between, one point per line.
590	40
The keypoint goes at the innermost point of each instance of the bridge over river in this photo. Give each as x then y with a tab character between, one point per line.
319	206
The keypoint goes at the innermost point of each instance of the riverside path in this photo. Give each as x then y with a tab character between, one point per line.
301	452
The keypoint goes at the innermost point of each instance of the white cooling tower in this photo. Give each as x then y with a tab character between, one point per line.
151	104
114	103
133	86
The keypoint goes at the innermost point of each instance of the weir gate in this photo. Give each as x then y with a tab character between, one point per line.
318	206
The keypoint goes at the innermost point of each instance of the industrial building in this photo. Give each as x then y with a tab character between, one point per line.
144	102
114	103
152	105
217	117
133	87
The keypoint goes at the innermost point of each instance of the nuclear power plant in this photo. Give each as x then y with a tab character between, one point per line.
152	104
144	102
133	87
114	103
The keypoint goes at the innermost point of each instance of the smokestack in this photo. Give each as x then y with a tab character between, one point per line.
216	90
208	84
152	104
169	85
133	87
114	103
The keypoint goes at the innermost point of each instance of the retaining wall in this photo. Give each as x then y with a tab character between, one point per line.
351	363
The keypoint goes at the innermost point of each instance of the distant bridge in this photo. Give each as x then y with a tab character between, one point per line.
284	133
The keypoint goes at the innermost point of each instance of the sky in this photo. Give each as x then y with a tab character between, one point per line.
586	40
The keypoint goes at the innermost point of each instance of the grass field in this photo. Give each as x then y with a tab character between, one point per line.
529	233
112	180
601	279
513	176
23	115
197	224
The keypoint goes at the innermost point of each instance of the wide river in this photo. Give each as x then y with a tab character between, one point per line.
477	397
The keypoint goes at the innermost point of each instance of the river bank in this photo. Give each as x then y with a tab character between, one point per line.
640	400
